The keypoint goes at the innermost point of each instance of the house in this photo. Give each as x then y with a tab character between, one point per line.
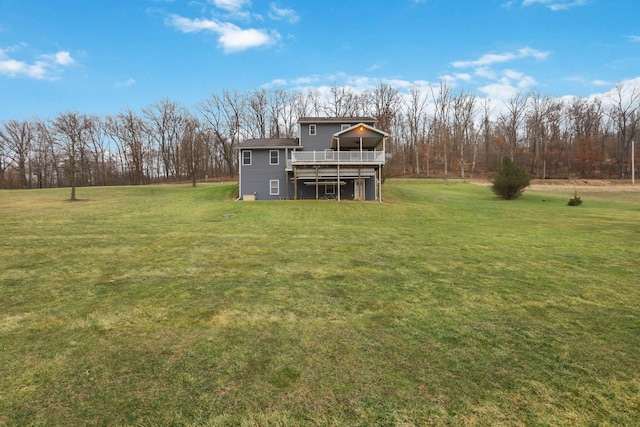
333	158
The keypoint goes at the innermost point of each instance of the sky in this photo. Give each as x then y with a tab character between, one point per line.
106	56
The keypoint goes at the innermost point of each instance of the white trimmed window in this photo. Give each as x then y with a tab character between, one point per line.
345	126
274	157
312	129
274	187
246	158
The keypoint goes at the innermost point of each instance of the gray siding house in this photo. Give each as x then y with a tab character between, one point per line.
333	158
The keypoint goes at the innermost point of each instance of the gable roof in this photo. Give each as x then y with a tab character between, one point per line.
369	120
270	143
358	135
357	127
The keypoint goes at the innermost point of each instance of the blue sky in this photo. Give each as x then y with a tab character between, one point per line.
103	56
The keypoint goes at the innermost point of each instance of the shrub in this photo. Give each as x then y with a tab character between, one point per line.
510	180
576	201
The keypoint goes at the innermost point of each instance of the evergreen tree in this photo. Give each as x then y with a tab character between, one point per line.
510	180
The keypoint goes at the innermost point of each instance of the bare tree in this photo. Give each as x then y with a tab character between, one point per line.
257	118
222	115
71	129
129	132
416	108
463	126
538	119
285	113
487	131
343	102
98	147
193	147
45	157
164	122
442	101
625	114
513	119
17	137
308	103
586	118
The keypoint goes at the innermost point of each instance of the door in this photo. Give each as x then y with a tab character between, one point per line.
358	189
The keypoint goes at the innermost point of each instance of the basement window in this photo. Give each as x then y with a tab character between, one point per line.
274	187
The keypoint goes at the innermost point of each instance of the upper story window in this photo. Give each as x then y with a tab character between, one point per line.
274	157
345	126
312	129
246	158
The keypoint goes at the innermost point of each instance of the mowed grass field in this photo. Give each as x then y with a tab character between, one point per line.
172	305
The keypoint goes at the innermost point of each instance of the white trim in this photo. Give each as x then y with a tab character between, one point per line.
277	157
312	126
271	187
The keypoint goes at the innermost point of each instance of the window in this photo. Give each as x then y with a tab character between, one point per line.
312	129
274	187
274	157
246	158
345	126
330	190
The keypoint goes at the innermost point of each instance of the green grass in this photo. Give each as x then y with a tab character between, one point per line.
169	305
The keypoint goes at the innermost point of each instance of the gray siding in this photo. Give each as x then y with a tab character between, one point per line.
255	179
322	139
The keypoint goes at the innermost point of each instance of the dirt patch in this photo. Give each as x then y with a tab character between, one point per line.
586	185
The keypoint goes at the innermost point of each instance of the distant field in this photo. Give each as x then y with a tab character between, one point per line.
172	305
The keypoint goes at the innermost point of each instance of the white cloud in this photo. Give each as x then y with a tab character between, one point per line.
60	58
556	5
305	80
486	73
284	14
129	82
230	5
625	91
356	83
509	84
465	77
231	37
635	39
45	67
494	58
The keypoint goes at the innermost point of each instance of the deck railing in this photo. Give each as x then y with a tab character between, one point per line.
331	157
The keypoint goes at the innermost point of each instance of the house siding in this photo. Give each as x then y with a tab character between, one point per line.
323	137
256	178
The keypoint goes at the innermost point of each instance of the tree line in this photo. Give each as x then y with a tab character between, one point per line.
437	131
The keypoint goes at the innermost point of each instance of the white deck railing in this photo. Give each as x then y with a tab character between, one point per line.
335	157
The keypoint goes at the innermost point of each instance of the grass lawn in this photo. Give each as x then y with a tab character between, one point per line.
172	305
